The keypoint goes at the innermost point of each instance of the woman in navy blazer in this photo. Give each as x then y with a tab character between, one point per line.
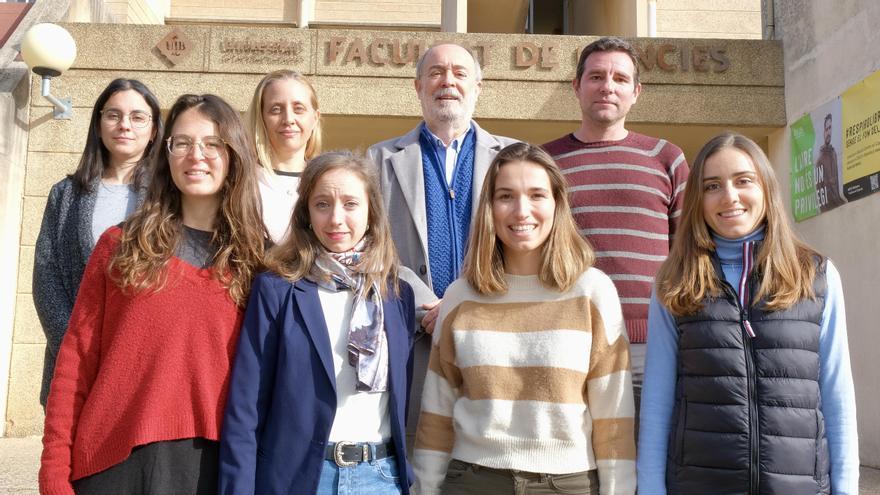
320	387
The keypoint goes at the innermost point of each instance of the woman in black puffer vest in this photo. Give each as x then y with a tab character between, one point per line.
748	388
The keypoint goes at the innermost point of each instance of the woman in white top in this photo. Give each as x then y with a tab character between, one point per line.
285	126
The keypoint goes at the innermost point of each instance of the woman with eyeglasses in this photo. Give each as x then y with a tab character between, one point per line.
104	190
284	124
141	380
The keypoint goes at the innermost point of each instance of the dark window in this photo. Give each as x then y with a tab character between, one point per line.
547	17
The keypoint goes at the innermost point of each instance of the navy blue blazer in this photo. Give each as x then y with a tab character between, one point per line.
282	396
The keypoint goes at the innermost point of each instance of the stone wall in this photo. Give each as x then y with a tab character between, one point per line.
235	10
709	19
378	12
829	46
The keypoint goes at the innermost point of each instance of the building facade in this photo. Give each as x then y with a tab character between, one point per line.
828	48
707	68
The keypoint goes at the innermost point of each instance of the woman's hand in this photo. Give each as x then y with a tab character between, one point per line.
430	317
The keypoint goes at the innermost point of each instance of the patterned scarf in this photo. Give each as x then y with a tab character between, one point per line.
367	345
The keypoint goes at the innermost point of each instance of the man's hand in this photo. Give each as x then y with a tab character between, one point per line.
430	317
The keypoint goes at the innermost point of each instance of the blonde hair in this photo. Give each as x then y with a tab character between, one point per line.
257	128
295	256
565	255
787	265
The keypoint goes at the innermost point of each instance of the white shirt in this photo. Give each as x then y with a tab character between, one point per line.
278	196
452	152
360	416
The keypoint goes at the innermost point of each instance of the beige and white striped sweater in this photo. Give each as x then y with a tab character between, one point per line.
532	380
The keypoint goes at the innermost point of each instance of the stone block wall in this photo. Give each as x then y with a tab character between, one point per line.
709	19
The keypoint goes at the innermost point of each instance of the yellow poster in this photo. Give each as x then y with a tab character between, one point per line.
861	137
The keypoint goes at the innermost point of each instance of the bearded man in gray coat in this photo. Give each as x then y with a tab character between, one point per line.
431	179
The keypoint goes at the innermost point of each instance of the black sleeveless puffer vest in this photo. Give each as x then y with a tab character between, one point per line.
747	416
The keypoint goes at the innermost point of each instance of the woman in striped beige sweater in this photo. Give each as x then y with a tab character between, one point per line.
528	388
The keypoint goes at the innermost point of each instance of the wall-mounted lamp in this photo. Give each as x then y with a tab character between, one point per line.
49	50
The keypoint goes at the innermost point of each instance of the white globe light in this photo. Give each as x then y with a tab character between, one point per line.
48	49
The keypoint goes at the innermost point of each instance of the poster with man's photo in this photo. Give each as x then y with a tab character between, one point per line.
835	151
816	174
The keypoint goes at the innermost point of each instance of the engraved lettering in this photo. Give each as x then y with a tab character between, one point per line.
685	59
647	56
356	51
662	51
481	50
701	59
526	54
548	56
335	46
719	56
376	56
398	57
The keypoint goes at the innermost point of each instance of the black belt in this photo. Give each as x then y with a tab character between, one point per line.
351	453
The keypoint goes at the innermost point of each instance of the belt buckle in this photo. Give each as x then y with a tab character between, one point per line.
337	454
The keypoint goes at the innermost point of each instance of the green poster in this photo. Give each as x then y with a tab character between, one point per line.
803	184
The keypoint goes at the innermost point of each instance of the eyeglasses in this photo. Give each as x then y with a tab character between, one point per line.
137	118
210	146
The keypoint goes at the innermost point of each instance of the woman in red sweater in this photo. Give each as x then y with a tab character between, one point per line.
140	383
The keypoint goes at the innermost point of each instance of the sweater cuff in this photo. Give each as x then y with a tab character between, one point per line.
617	476
56	488
429	467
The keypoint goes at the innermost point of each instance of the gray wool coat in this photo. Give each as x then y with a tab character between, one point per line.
402	181
63	248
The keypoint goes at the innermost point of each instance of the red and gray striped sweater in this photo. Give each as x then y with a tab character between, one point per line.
626	197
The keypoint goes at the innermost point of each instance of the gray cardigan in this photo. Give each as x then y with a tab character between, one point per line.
62	251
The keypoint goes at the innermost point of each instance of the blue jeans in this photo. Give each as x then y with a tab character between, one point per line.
377	477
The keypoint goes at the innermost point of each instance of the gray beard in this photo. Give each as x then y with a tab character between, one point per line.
450	116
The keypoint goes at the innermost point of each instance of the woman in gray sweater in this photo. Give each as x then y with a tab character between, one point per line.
105	188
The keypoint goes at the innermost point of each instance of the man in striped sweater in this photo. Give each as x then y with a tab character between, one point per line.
626	188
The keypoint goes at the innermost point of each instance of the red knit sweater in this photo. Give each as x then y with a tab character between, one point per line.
136	369
626	197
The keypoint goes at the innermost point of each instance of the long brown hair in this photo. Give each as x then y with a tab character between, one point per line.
787	265
96	157
293	258
151	235
257	128
565	255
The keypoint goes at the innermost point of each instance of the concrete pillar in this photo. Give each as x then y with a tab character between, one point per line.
453	16
14	105
13	156
306	13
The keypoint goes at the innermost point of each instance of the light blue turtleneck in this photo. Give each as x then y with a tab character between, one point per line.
835	381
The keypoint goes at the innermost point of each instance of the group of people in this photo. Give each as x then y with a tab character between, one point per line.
229	310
